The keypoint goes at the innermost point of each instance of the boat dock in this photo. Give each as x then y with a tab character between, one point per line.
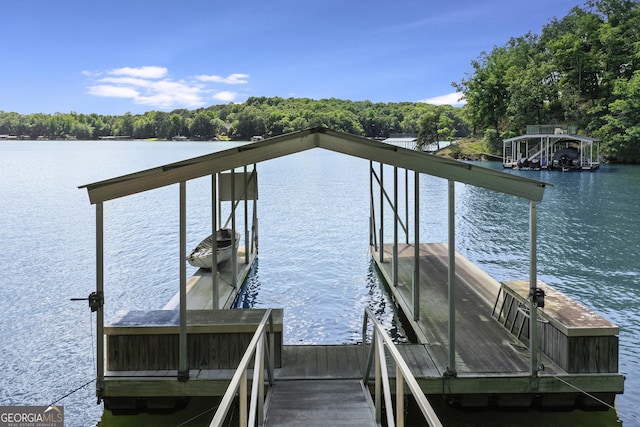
551	147
478	342
492	360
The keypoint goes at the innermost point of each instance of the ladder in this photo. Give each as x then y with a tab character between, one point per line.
513	315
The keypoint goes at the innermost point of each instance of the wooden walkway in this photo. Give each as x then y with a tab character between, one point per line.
345	362
482	345
319	403
491	363
200	288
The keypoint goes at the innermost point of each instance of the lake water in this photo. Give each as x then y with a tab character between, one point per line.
313	215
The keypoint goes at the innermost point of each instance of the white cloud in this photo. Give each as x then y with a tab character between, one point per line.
141	72
455	98
168	94
231	79
225	96
128	81
113	91
152	86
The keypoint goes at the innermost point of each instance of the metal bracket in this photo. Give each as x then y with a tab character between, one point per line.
537	297
183	376
449	373
96	300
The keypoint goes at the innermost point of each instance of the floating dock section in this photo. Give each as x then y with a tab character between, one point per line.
577	349
477	341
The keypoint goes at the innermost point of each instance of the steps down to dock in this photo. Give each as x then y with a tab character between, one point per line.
319	403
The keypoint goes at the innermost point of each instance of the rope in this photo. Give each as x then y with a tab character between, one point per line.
197	416
73	391
93	353
584	392
94	364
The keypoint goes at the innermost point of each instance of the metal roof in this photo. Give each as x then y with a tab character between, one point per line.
553	136
318	137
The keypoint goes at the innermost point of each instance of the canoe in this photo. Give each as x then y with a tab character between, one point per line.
201	256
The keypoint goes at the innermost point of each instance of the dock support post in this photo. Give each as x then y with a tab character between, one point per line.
373	239
533	310
183	370
451	370
246	217
406	203
395	226
381	213
254	240
215	296
416	244
234	253
99	291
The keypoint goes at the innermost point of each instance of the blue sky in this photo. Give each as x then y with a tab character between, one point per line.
114	56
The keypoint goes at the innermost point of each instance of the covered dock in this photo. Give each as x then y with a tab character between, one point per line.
551	147
452	306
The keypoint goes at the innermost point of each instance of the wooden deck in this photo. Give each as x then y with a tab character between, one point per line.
319	403
200	285
482	345
345	362
490	360
492	364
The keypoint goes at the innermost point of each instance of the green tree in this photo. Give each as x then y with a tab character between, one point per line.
486	91
622	124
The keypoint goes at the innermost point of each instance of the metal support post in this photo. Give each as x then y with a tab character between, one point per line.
533	317
395	226
416	247
234	253
100	309
183	369
215	296
381	213
406	203
451	370
246	217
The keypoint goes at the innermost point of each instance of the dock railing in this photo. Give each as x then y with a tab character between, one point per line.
263	352
379	341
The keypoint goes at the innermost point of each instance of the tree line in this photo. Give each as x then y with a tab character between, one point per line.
257	116
583	70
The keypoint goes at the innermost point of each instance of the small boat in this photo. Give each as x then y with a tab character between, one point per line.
566	159
202	256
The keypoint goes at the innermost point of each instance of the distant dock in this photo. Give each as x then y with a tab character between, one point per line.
551	147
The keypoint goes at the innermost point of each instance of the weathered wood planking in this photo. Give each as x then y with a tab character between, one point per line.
200	285
575	337
320	403
564	313
314	362
216	339
482	346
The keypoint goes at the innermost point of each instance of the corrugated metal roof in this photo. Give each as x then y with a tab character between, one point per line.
552	136
318	137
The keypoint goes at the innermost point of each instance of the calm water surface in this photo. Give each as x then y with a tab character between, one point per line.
313	214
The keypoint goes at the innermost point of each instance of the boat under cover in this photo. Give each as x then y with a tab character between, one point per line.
202	255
